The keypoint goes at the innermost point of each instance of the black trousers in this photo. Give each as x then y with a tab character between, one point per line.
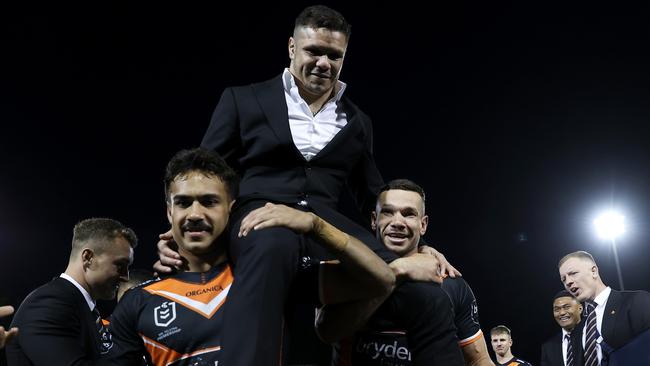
265	266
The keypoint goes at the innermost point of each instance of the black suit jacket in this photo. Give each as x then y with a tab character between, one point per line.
552	351
627	314
56	327
250	130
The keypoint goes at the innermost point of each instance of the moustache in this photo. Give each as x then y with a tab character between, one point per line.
196	226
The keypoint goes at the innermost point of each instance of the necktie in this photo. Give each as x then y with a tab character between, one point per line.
569	350
105	338
591	353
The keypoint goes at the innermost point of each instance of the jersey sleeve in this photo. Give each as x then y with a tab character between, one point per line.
465	309
128	348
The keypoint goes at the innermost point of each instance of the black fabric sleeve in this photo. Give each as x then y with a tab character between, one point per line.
465	307
127	348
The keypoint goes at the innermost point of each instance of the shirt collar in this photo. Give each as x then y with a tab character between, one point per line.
564	333
289	83
89	299
602	297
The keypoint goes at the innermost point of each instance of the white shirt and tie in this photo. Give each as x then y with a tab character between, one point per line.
601	302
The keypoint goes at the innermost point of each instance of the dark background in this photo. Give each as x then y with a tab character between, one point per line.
520	120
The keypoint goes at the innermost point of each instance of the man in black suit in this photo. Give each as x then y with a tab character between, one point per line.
566	311
297	140
59	323
621	315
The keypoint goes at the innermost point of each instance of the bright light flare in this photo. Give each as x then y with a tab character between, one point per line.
610	225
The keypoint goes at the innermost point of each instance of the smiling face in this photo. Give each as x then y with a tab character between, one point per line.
580	277
107	268
316	59
399	220
566	311
198	210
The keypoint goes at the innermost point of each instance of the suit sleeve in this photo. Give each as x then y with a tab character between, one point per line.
640	316
50	334
365	180
128	348
222	135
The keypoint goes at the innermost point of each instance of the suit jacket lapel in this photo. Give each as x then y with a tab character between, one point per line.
270	95
609	316
352	128
559	357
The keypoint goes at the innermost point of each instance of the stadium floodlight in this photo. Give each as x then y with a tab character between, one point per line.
611	225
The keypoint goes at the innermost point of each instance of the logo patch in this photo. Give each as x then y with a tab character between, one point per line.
165	314
106	340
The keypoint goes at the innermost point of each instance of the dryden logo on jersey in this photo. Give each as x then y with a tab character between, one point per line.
164	314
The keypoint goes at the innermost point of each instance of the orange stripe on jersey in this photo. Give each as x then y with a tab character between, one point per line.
162	355
204	299
471	339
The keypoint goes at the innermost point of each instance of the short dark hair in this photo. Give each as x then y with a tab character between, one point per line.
404	185
99	232
204	161
321	16
500	329
563	293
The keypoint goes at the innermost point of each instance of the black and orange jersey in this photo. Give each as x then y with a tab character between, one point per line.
174	321
514	362
384	344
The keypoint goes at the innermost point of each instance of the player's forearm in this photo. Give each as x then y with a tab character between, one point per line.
476	354
356	258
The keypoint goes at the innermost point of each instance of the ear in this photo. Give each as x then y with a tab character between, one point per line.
230	206
169	213
292	48
87	256
594	271
424	223
373	220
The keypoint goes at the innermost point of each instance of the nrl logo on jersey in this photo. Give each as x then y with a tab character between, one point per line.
164	314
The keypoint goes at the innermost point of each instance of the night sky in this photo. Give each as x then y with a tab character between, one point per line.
519	120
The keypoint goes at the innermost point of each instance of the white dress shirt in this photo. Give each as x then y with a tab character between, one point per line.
601	302
565	345
311	132
89	300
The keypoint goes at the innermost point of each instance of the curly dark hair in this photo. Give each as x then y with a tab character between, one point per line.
202	160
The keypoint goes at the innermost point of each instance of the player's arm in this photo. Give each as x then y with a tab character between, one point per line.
359	274
351	288
128	348
476	353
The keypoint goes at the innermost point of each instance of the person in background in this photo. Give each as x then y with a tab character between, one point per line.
59	322
558	350
502	346
618	316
